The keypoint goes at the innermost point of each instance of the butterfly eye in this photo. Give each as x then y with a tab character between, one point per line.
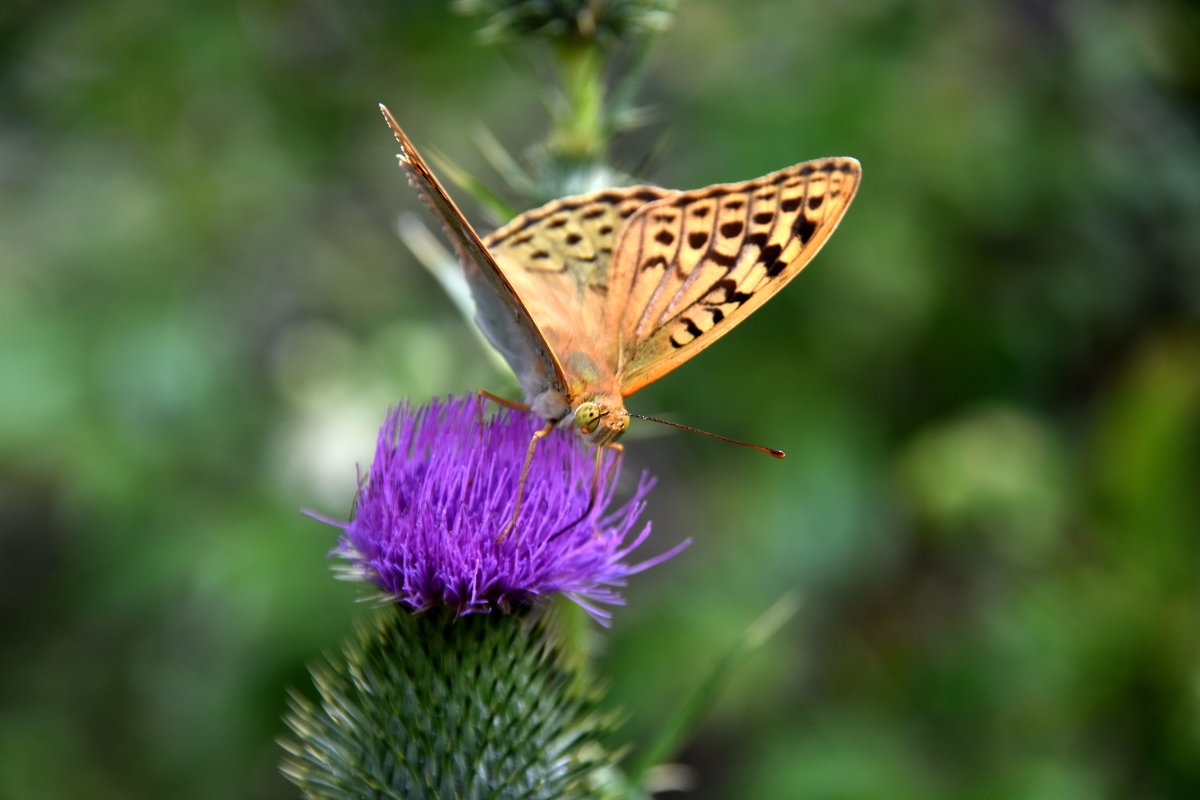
586	415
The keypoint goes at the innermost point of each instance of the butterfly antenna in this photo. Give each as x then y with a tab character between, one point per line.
768	450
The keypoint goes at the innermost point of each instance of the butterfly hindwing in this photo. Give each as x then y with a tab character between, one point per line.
499	310
572	237
557	258
689	267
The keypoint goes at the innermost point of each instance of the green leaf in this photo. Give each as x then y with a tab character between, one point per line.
680	725
493	202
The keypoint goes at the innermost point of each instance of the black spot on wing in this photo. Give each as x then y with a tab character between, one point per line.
689	333
592	213
815	202
558	222
574	238
664	237
724	260
763	217
725	291
769	258
731	229
792	204
770	253
804	228
697	239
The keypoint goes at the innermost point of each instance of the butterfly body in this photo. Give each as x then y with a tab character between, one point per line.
590	298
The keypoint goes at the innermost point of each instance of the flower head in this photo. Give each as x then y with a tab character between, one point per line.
605	20
442	488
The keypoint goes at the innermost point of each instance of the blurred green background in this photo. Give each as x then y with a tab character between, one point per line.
988	385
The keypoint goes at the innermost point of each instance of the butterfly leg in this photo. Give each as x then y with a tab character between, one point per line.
620	451
537	435
484	395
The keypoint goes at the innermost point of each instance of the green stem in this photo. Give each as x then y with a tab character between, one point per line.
579	132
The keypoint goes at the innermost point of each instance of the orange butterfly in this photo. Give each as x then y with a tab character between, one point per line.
590	298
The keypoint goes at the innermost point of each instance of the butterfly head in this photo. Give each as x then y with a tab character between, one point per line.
600	422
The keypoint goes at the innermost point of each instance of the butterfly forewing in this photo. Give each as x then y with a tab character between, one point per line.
500	312
687	268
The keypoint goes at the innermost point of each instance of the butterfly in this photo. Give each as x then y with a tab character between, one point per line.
592	297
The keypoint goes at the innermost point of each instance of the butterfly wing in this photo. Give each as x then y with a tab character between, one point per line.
689	267
499	310
557	259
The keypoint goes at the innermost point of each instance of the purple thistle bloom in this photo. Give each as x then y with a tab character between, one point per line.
442	488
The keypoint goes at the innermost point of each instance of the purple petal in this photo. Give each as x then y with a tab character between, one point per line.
441	489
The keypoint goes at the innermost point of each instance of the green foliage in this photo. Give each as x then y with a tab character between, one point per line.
472	708
986	385
588	58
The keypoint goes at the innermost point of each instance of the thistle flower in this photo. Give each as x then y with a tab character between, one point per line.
443	486
607	20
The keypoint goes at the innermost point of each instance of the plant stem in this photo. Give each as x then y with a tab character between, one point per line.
579	132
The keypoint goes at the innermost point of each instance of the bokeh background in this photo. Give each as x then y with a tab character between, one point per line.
988	384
